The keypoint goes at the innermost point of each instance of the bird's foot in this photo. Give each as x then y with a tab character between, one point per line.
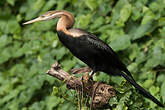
91	74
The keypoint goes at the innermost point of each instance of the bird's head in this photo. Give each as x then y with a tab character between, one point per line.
50	15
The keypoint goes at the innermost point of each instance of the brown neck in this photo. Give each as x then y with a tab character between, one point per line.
65	22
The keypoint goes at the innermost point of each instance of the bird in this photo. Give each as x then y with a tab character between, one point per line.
91	50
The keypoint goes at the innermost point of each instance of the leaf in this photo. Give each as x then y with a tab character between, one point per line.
124	14
11	95
13	27
148	17
148	83
113	101
144	29
11	2
55	91
52	102
68	64
102	77
61	4
121	105
117	80
155	59
154	90
2	26
161	21
136	12
121	43
5	55
4	40
98	22
68	106
60	53
84	20
141	57
161	78
116	10
49	5
92	4
135	51
133	67
162	91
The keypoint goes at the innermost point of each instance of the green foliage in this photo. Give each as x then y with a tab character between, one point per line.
135	29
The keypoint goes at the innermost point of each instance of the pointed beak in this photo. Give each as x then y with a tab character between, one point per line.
34	20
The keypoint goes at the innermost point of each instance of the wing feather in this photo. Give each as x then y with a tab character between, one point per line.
107	50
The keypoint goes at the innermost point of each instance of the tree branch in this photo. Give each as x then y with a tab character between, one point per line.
100	92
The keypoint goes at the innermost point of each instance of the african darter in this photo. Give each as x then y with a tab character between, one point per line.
90	49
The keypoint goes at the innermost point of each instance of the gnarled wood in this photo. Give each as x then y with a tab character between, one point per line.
100	92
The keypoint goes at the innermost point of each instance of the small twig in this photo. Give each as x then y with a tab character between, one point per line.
82	91
93	95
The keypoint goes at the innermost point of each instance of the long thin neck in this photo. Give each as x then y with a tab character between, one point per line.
65	22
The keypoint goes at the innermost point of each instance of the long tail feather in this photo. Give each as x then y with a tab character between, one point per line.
142	90
128	73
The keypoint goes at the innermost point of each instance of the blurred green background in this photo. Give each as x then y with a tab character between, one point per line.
135	29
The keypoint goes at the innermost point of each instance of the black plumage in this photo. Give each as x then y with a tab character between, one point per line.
100	57
91	50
